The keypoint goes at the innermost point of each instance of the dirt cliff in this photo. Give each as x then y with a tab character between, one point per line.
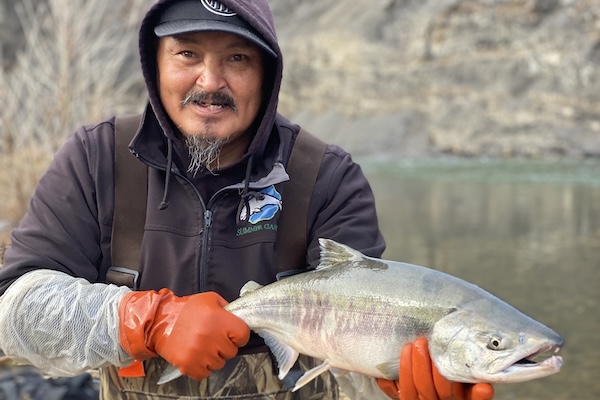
414	78
463	77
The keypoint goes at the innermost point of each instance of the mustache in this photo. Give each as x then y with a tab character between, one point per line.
201	96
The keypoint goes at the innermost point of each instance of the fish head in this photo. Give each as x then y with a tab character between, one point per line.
490	341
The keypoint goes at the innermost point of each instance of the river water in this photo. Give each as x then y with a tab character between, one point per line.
528	232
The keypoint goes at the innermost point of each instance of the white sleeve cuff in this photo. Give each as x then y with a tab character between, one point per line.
61	324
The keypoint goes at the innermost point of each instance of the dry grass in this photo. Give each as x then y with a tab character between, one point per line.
20	170
3	245
27	164
79	65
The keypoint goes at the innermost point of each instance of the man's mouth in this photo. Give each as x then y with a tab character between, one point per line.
210	101
211	106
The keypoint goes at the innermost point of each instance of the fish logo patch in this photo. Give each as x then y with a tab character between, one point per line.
262	206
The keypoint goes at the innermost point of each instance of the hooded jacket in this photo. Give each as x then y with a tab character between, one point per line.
209	232
204	239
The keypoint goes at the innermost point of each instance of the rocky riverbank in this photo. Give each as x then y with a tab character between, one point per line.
423	78
501	78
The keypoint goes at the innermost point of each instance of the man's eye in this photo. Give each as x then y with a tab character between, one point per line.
239	57
186	53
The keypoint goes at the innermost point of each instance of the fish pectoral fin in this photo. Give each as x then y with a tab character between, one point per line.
390	369
334	253
311	374
285	355
250	286
359	381
357	386
170	373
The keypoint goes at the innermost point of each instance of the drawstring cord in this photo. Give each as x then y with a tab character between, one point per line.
246	194
165	200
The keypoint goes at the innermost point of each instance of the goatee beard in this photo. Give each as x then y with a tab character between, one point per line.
204	153
204	150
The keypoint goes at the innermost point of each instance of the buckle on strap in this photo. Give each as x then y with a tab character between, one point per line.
122	276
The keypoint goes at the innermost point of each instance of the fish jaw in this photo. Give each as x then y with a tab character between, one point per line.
472	347
522	366
516	367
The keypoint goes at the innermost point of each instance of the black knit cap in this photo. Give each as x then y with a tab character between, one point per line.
206	15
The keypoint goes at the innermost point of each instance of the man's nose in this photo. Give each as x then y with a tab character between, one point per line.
211	78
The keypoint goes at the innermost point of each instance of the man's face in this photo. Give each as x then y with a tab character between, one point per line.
210	83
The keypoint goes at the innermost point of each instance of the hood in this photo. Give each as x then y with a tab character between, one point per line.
258	14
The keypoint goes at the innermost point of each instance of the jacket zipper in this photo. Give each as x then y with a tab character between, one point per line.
207	222
208	216
206	235
206	226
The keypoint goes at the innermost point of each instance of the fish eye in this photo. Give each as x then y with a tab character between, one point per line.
495	343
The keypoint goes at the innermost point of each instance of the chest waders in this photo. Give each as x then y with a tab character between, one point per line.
248	376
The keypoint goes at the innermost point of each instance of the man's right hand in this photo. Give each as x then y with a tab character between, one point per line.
193	333
420	379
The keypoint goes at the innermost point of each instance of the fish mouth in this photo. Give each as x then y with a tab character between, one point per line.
540	362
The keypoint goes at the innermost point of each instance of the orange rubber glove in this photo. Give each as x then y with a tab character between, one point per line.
193	333
420	379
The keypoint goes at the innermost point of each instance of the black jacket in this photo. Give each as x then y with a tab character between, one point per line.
201	241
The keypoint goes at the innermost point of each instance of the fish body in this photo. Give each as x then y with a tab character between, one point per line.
356	313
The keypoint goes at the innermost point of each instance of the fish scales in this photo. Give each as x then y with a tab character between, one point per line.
356	313
322	316
318	322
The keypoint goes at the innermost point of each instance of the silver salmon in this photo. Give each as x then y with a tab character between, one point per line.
356	313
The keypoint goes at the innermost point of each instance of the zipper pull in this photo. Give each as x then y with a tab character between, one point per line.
207	218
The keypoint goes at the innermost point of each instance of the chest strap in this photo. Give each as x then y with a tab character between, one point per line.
131	192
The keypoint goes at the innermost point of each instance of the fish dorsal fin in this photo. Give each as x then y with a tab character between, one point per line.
250	286
285	355
334	253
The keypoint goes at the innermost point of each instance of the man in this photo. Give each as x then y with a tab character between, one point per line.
214	144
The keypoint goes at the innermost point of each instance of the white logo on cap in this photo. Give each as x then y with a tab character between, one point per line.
216	7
